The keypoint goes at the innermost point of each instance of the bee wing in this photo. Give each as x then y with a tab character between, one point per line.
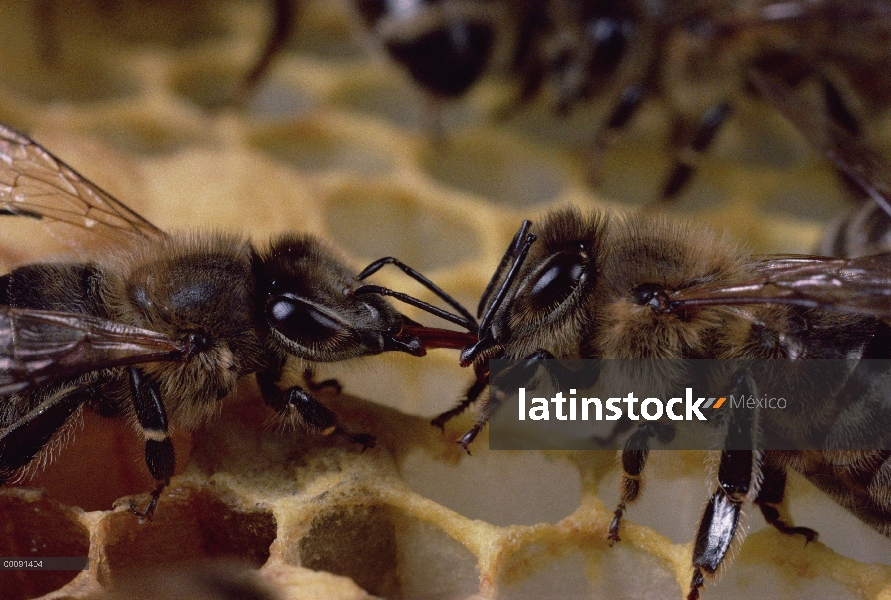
35	183
39	347
857	285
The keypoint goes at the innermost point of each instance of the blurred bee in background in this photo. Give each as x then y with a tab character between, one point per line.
635	287
692	56
445	45
162	324
867	228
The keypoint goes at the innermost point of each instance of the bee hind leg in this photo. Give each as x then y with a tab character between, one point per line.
24	439
159	454
738	464
770	493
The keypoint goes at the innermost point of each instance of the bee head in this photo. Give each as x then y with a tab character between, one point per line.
306	305
537	296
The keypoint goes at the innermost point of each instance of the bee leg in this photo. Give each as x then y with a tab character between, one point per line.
310	378
467	439
686	157
282	24
25	438
473	393
522	373
630	101
159	455
297	407
634	459
773	485
735	481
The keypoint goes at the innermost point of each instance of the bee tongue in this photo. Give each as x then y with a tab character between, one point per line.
431	337
401	343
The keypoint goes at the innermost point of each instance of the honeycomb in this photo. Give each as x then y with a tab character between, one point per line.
336	142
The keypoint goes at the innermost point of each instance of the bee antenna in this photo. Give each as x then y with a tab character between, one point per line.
469	325
417	276
511	251
508	281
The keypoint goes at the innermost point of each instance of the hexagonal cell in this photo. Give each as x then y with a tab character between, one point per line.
324	30
542	572
773	565
499	487
389	554
625	572
276	98
147	136
500	169
203	580
33	526
753	582
80	82
170	23
321	147
374	221
357	541
432	565
838	528
189	525
390	98
209	84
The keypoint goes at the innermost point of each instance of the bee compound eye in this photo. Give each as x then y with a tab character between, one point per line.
557	278
301	321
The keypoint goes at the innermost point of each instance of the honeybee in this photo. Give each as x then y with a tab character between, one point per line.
631	287
160	326
694	57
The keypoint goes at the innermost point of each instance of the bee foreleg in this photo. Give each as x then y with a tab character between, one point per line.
24	439
298	408
159	455
521	373
773	486
686	157
473	393
313	385
739	462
